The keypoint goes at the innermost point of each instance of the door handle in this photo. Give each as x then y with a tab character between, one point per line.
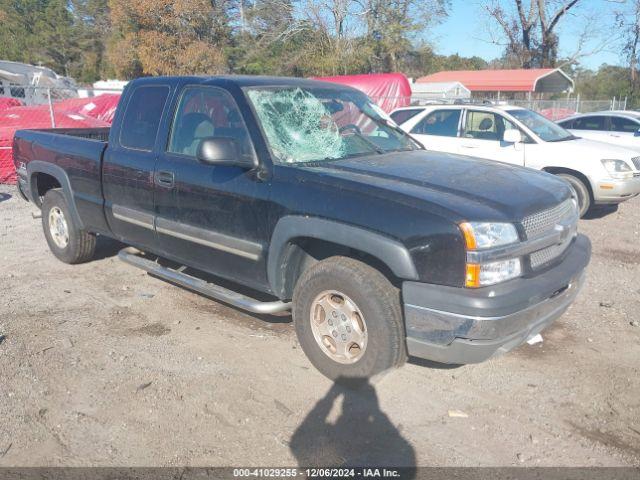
469	146
165	179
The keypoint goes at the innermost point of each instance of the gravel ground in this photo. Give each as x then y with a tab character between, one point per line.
101	364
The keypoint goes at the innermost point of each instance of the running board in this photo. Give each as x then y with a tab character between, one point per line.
132	256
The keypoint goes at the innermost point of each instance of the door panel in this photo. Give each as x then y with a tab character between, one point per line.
482	137
439	130
129	167
212	217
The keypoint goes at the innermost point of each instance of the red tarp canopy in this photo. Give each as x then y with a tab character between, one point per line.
102	107
388	90
9	102
77	115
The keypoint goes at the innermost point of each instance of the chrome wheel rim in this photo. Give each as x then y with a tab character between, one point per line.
338	327
58	227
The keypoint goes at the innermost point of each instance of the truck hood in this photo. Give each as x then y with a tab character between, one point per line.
470	188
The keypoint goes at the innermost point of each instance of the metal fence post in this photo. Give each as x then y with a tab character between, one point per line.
53	117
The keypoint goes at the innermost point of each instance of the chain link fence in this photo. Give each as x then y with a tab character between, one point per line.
552	109
26	107
559	109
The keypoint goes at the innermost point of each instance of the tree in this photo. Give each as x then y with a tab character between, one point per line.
58	38
528	30
39	32
159	37
629	24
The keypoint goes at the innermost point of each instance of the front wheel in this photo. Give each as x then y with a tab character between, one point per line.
348	319
582	191
66	240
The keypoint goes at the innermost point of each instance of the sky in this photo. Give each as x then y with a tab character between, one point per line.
465	32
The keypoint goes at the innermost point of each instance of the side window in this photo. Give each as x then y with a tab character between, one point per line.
142	117
566	124
483	126
402	116
206	112
625	125
589	123
443	123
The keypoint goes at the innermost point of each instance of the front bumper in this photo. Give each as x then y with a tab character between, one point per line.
459	326
616	191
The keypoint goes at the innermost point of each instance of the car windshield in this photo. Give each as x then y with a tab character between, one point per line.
543	128
311	124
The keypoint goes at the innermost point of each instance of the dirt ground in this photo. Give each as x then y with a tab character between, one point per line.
101	364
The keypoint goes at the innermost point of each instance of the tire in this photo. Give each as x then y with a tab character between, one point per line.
584	196
345	283
58	225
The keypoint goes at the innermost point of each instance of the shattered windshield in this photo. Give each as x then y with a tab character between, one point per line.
315	124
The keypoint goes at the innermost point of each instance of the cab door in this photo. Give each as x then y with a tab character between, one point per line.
482	137
593	127
129	165
211	217
624	131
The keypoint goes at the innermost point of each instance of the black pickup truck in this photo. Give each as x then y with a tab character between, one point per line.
275	194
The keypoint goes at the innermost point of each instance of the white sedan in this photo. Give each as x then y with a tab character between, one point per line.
600	173
619	128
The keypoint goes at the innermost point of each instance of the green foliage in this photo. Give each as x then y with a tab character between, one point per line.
608	82
58	34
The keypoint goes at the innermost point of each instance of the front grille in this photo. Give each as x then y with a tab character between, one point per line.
636	162
544	256
543	222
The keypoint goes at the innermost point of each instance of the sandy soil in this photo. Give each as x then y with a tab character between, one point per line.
101	364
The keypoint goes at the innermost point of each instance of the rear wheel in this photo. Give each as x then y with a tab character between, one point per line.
582	191
348	319
66	241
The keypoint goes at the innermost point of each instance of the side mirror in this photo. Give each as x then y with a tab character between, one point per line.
512	136
637	134
222	151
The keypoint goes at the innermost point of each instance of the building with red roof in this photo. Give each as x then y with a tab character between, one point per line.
506	83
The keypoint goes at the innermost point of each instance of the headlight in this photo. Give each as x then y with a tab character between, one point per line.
481	275
482	236
618	168
486	235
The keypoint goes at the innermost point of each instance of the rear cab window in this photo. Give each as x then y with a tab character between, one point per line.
142	117
443	123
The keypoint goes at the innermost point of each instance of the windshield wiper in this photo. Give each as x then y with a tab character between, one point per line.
375	147
392	126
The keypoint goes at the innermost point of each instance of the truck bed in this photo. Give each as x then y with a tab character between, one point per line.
76	155
99	134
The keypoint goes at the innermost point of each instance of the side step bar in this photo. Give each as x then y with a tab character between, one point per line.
132	256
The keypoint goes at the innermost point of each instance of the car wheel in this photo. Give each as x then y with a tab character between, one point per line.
584	197
66	241
348	319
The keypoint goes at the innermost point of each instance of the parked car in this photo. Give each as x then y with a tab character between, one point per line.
617	127
306	193
600	173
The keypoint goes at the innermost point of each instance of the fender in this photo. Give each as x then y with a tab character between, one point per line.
37	166
387	250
